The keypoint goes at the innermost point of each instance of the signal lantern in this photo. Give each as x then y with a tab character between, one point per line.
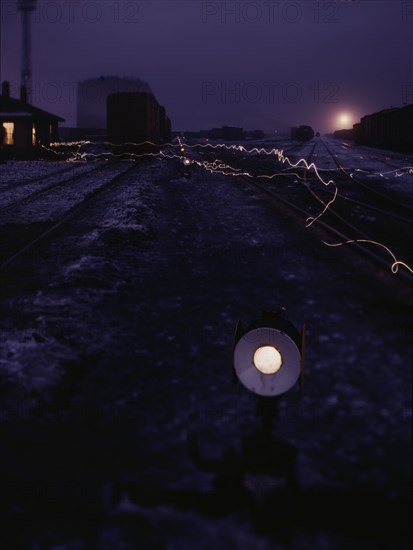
269	354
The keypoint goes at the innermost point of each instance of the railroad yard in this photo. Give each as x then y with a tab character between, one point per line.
122	282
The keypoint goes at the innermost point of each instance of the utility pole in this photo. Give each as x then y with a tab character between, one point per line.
26	7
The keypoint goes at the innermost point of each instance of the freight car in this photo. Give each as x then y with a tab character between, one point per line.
389	128
346	133
302	133
137	117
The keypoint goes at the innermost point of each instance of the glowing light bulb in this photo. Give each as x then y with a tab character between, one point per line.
267	360
344	118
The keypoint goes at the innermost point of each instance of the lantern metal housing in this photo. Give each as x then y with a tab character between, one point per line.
269	354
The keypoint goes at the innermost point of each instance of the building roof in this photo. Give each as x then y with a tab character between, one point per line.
93	93
113	84
15	108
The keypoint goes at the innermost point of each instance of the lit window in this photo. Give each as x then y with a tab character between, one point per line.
8	133
33	135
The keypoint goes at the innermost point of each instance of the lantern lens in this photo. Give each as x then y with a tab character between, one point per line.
267	360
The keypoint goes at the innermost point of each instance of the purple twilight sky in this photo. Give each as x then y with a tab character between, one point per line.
255	64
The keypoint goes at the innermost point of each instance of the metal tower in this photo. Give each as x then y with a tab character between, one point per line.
26	7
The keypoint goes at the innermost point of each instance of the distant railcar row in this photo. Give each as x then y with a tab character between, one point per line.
389	128
302	133
137	117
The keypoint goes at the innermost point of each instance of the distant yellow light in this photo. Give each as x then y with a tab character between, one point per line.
267	360
182	149
344	118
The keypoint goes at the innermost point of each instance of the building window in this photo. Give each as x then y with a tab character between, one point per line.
50	130
7	133
33	135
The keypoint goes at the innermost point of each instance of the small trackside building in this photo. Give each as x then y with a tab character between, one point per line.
24	128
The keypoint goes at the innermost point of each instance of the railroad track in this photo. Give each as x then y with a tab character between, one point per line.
335	221
25	182
21	234
394	213
382	157
24	197
403	207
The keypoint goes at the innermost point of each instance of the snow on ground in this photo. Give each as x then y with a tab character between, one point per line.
16	171
385	170
117	335
51	205
16	185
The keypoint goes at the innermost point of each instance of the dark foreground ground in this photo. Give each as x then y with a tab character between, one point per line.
120	424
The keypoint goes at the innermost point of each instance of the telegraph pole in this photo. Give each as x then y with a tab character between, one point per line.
26	7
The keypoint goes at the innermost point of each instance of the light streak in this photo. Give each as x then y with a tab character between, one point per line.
216	167
279	153
105	154
396	263
397	172
81	151
181	145
311	220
